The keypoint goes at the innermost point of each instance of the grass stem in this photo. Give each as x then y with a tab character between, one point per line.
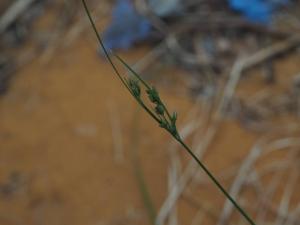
168	123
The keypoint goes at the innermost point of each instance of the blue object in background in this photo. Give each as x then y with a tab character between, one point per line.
259	11
126	28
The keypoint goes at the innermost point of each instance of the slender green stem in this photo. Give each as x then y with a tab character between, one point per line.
216	182
167	112
148	110
102	44
170	125
140	79
132	71
122	61
138	171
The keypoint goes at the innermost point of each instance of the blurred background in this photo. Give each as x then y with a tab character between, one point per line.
76	149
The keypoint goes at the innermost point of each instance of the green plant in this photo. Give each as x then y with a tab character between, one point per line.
158	110
138	171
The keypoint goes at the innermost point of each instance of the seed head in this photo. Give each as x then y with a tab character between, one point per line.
173	129
153	95
163	124
174	117
134	87
159	109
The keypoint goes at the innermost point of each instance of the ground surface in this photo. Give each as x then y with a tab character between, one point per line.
57	152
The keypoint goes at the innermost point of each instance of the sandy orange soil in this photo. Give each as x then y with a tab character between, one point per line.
57	149
57	152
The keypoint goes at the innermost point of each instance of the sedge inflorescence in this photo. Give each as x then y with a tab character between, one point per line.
159	112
